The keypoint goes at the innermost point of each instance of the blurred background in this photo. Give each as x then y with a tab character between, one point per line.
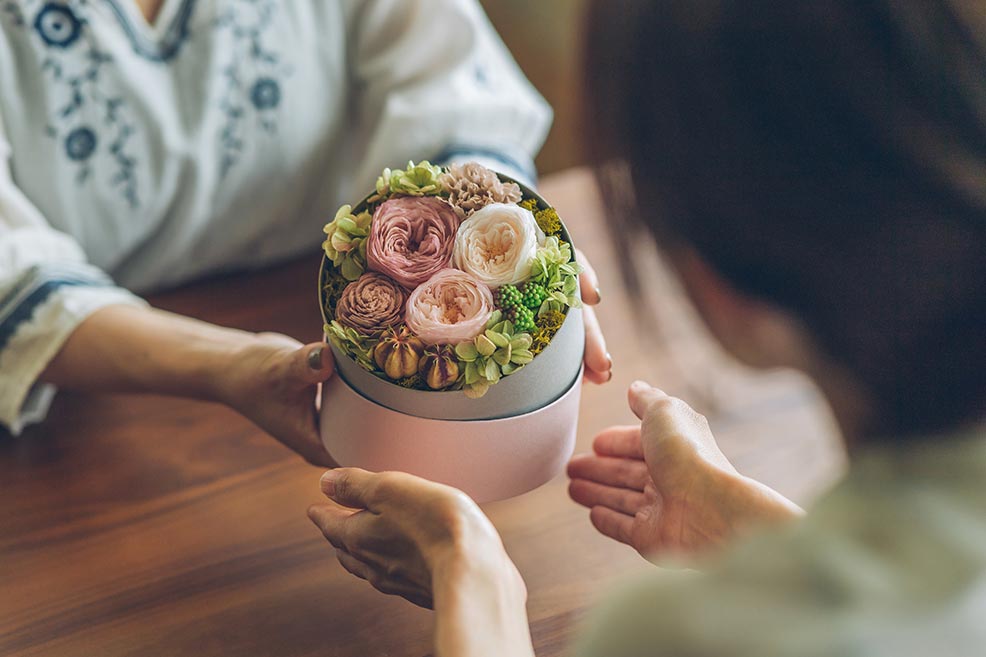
544	39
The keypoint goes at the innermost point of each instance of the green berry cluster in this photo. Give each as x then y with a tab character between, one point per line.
523	319
507	297
533	295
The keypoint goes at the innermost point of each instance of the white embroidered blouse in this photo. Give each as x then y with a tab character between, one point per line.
219	138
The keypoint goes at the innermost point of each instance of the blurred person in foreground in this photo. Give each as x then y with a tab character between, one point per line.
816	172
148	143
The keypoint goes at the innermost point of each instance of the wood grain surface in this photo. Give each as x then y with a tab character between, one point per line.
141	525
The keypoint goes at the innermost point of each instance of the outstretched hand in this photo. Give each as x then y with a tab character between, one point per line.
665	487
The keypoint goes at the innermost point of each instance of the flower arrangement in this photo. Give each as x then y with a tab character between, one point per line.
446	278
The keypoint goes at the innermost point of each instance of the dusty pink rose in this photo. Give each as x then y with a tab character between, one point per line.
371	304
451	307
411	238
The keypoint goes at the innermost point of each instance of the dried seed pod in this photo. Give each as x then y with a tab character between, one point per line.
398	353
439	366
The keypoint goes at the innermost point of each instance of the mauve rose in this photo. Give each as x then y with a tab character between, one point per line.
411	238
451	307
371	303
497	243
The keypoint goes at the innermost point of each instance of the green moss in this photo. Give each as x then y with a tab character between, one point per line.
530	204
548	221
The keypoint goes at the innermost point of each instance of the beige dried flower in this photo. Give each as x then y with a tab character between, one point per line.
471	186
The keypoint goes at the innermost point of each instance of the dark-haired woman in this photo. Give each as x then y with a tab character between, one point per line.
816	172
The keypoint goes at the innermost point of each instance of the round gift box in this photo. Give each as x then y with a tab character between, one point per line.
487	459
513	439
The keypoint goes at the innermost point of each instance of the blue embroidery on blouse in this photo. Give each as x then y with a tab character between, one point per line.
57	25
252	77
89	123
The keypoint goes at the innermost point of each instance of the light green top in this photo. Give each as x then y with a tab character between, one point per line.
892	562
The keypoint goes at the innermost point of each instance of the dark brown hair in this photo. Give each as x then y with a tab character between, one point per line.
826	156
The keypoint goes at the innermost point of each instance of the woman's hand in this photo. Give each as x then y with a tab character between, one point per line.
270	378
665	487
273	381
432	545
598	363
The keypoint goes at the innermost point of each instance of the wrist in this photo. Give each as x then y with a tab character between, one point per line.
480	601
224	361
756	504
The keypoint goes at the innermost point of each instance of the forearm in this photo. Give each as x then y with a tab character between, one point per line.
131	349
480	608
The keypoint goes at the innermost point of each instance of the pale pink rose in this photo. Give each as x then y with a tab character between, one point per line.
371	304
411	238
497	243
451	307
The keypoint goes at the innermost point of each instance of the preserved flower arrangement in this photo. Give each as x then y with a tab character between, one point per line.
451	302
446	279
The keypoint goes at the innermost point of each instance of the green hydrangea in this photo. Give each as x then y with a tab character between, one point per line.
345	241
416	180
498	352
352	343
555	269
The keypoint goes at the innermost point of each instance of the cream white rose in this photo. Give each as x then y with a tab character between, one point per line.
497	243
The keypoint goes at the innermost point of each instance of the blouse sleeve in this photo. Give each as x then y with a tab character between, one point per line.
46	289
434	81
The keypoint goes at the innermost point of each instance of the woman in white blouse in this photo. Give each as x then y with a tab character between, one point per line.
144	144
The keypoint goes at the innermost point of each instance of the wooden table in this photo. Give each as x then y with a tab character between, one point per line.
151	526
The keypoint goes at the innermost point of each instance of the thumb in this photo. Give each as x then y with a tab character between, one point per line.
312	363
351	487
644	397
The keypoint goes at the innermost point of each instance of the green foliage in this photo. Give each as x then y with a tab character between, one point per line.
498	352
507	297
554	268
352	343
345	241
523	319
416	180
334	285
533	295
546	326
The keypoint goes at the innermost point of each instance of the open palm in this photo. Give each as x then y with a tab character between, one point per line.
664	487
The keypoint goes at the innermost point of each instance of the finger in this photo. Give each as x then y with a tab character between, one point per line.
312	364
588	280
342	527
318	454
591	494
352	487
645	398
308	444
598	363
611	523
623	442
622	472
